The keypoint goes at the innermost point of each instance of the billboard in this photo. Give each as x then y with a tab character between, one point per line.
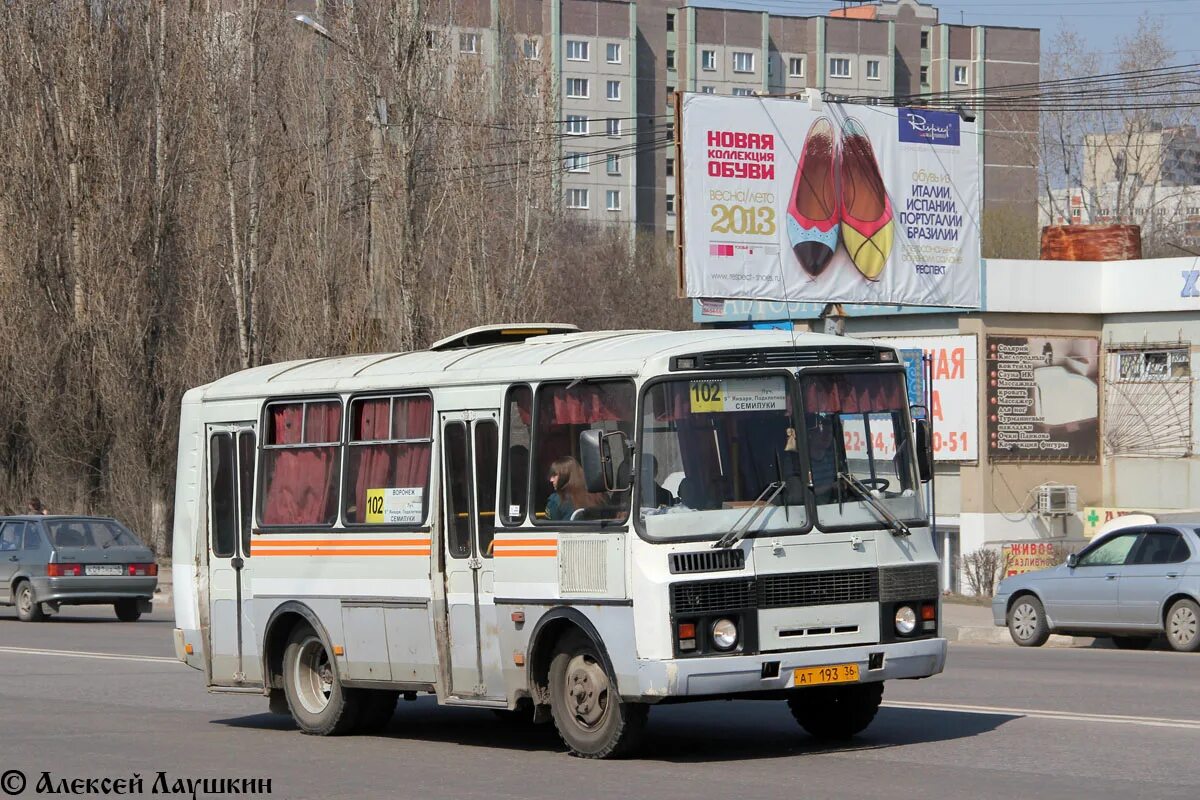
1043	398
1022	557
787	201
954	378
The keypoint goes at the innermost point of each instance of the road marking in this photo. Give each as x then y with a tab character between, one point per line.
1070	716
31	651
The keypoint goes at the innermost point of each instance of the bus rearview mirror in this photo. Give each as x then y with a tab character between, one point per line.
924	442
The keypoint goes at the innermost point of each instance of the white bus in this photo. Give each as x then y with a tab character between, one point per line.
732	514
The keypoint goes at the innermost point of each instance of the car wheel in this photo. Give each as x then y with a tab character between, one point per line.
1132	642
836	713
1027	622
590	716
28	609
127	610
1183	626
319	704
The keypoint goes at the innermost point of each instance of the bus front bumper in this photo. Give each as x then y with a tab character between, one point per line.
718	676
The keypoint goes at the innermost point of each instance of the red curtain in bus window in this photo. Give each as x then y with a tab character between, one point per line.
588	403
300	482
853	394
285	424
382	466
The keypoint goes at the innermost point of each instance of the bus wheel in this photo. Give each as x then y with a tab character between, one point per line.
315	696
836	713
588	713
378	707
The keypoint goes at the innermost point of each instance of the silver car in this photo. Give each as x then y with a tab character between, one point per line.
1131	584
48	562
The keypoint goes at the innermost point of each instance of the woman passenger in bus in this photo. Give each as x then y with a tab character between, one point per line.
570	494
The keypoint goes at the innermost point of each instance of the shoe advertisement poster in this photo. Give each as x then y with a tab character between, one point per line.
834	204
1043	398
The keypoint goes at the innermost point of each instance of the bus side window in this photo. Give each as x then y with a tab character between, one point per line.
517	438
458	493
485	479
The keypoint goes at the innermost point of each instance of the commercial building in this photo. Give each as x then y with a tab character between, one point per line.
1067	399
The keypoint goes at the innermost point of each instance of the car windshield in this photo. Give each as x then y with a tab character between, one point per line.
711	448
89	533
857	432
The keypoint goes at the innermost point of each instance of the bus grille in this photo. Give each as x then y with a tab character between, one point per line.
912	582
703	596
707	561
818	588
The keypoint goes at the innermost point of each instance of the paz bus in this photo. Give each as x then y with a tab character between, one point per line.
733	514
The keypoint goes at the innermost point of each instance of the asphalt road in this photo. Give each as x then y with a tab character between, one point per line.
84	696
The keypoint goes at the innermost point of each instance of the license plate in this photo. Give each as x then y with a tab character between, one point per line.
833	673
102	569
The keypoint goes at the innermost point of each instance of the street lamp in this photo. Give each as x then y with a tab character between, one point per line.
379	121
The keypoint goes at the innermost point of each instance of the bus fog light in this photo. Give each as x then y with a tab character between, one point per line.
724	634
906	620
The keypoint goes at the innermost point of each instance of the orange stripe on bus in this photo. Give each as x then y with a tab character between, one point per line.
340	542
500	542
333	552
525	553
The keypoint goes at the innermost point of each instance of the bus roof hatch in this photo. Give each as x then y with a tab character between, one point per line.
500	334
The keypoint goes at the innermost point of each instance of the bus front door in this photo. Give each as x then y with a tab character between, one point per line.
470	447
232	653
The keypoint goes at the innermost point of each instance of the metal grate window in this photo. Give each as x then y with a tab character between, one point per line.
818	588
704	596
910	582
707	561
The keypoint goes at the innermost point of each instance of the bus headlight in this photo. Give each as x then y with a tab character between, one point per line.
724	634
906	620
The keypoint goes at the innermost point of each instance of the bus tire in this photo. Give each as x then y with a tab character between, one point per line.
315	695
28	609
378	708
836	713
588	712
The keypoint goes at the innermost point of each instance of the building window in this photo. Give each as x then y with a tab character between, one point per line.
671	205
670	20
612	126
708	60
613	90
576	50
670	168
741	91
613	53
708	90
576	162
960	76
612	164
796	67
924	40
873	70
577	198
924	76
743	62
577	125
670	97
468	42
533	49
839	68
612	200
578	88
670	59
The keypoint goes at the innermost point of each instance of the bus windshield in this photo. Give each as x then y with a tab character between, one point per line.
710	448
857	431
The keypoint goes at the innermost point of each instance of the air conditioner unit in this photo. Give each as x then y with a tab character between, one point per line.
1057	501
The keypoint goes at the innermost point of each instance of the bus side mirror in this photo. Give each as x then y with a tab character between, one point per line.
924	441
596	453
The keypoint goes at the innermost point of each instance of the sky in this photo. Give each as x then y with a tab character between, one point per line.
1100	22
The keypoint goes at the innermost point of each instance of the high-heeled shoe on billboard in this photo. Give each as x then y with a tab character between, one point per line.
865	210
813	208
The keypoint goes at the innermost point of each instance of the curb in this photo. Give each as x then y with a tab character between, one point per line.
975	634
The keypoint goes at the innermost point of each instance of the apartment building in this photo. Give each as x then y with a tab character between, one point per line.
615	66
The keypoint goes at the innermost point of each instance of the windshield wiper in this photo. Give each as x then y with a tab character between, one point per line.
760	504
898	527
